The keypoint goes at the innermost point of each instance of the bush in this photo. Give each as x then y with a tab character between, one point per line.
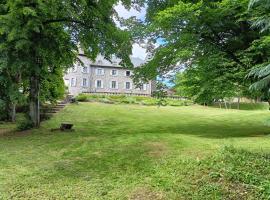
25	124
82	98
143	100
105	100
3	112
149	102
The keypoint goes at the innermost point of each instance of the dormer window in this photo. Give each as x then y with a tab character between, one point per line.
99	62
74	68
84	69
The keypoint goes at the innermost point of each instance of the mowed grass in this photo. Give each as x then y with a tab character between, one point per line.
140	152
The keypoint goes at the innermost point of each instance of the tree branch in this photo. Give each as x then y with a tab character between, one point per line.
66	19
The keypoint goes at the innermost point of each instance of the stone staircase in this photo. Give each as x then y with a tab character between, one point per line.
47	111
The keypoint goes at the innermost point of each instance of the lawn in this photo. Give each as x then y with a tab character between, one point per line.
140	152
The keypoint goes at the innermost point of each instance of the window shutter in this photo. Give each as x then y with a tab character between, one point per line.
101	84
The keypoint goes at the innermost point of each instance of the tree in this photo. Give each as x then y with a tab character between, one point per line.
261	19
47	35
214	36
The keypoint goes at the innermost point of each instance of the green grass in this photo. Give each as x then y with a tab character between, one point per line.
245	106
140	152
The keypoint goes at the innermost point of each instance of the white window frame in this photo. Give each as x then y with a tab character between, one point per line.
116	85
86	82
101	85
114	74
73	82
102	72
130	85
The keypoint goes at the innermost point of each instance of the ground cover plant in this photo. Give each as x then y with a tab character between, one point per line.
125	151
124	99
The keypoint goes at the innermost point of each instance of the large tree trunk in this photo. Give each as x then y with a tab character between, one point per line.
34	101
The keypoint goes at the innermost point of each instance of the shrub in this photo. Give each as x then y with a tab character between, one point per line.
129	100
143	100
105	100
82	98
25	124
150	102
3	112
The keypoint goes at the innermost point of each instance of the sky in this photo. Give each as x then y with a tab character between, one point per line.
137	50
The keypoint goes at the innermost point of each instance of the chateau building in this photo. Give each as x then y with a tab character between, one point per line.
103	76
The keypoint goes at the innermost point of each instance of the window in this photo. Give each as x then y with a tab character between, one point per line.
100	71
84	82
84	69
114	85
114	72
73	82
74	68
99	84
128	73
144	87
128	85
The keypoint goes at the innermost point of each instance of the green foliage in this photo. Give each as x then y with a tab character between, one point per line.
160	94
40	39
24	124
3	111
122	99
213	40
243	106
82	98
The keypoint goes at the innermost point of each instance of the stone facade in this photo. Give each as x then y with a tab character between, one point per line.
103	76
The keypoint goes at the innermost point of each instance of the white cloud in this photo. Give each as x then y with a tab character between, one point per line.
137	51
130	13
